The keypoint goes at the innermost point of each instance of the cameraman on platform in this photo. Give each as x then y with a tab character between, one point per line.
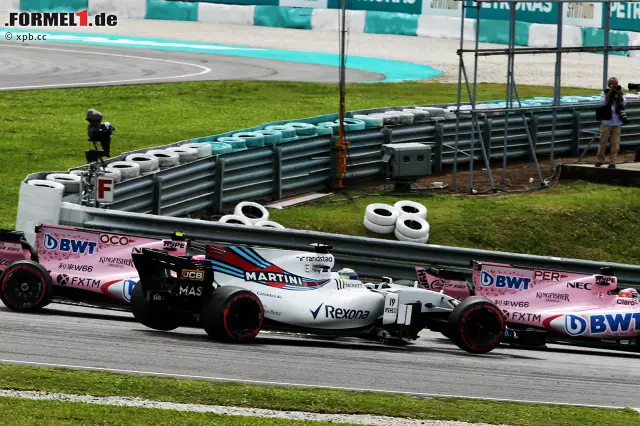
612	116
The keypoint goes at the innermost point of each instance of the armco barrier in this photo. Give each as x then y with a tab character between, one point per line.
305	165
371	257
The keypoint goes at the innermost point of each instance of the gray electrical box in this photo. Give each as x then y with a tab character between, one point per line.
406	160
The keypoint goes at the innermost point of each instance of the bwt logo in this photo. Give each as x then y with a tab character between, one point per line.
127	289
575	325
504	281
69	245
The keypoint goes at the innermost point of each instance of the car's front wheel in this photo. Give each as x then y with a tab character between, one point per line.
476	325
25	286
149	314
232	315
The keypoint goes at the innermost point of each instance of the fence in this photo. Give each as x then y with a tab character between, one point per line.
371	257
306	165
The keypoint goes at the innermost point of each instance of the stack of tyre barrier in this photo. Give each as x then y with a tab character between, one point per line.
405	116
407	220
250	214
70	182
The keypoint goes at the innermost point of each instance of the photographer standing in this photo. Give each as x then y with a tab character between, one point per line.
613	102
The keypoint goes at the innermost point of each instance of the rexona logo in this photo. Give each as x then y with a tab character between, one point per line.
192	275
339	313
504	281
67	245
190	290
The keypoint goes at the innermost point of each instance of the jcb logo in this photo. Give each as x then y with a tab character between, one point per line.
192	275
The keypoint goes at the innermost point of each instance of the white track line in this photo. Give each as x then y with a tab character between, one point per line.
119	401
264	382
205	70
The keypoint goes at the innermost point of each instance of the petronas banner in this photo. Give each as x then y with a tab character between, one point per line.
624	15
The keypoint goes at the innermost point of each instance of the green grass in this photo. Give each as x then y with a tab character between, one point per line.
44	130
303	399
580	220
17	411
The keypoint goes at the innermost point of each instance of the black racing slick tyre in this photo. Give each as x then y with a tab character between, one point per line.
25	286
232	315
150	315
476	325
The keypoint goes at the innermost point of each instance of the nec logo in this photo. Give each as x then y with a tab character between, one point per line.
192	275
581	286
504	281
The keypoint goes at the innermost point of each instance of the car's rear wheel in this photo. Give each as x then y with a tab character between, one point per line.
25	286
476	325
149	314
232	315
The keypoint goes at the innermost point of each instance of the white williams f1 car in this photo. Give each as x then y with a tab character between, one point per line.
236	291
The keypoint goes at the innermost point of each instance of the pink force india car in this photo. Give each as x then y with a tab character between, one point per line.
541	305
72	264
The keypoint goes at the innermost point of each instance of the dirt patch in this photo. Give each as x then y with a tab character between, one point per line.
520	174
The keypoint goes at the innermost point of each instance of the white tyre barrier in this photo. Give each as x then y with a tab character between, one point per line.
269	224
378	229
165	158
203	148
254	212
127	169
71	182
148	163
233	219
113	173
381	214
418	115
78	172
186	154
46	184
412	226
405	117
411	207
401	237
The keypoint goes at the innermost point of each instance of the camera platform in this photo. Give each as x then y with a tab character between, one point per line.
625	174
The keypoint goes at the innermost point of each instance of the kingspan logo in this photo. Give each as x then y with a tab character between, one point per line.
272	277
339	313
504	281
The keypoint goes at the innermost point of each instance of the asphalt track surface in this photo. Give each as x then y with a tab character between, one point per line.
100	339
55	65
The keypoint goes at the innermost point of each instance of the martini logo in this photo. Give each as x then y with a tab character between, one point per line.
69	245
272	277
504	281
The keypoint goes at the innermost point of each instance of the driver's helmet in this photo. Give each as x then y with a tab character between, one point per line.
629	292
347	274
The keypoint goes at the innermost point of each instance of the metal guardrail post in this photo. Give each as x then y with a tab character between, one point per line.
486	137
333	163
576	125
219	186
437	151
533	126
388	135
156	206
277	173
